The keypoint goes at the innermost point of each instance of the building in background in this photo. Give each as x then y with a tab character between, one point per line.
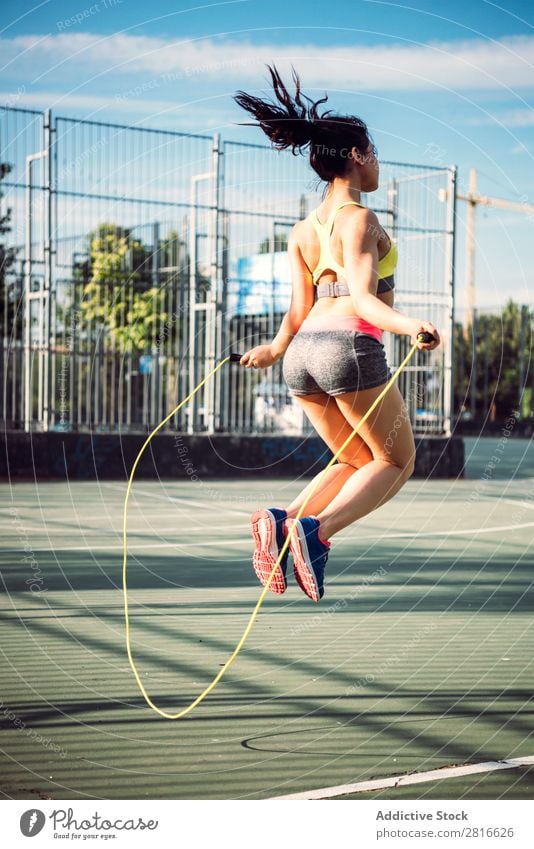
262	285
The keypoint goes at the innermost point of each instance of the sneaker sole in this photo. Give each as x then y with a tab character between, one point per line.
304	574
263	527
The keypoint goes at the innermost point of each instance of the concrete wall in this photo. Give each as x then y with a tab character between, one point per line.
86	456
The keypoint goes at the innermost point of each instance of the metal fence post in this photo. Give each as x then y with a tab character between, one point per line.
450	267
192	222
26	314
474	333
48	389
155	349
29	295
220	385
392	207
213	340
523	315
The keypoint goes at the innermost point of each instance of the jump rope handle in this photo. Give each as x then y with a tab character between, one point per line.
235	358
425	337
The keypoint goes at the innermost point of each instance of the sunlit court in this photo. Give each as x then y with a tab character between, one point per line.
417	659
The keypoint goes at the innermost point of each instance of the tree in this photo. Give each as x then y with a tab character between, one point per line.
501	368
10	287
280	243
119	293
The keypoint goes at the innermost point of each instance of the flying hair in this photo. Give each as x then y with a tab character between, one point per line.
294	122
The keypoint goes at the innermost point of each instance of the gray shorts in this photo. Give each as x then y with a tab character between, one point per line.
334	362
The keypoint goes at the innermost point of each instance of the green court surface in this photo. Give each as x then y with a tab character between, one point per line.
419	656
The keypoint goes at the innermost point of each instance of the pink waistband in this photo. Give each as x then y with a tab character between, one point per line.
341	322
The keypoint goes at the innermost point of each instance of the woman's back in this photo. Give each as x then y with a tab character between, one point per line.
328	220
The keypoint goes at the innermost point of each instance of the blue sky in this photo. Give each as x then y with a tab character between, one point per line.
437	83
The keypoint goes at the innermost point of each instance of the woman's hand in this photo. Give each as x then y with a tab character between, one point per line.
259	357
424	327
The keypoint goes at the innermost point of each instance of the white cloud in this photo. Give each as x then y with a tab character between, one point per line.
80	58
88	103
205	117
509	118
521	148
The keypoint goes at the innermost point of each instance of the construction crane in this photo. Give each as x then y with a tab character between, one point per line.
472	199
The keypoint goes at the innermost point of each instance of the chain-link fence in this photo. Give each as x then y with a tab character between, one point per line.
134	259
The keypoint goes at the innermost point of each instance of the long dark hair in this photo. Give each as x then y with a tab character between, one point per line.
295	124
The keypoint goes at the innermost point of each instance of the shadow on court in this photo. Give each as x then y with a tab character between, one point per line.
418	657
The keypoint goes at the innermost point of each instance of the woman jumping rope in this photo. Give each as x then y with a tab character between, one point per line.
342	271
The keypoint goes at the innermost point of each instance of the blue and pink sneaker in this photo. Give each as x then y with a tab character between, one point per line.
310	554
269	534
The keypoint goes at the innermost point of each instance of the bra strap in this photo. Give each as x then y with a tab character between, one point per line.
331	217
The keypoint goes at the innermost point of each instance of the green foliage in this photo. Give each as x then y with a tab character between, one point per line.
280	244
119	294
502	362
10	287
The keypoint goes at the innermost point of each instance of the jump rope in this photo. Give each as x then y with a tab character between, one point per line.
235	358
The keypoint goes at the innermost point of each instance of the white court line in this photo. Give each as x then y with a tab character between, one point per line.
446	533
246	540
132	546
514	503
210	504
521	503
112	532
439	774
176	500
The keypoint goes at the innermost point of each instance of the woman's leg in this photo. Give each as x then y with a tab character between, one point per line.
388	434
333	428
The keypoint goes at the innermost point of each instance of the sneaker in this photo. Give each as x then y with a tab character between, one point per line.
310	554
269	534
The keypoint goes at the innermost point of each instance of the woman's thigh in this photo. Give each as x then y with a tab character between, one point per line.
332	426
388	431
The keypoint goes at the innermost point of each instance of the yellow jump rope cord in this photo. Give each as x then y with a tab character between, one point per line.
283	550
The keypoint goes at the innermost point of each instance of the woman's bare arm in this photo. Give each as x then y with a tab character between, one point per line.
302	300
360	261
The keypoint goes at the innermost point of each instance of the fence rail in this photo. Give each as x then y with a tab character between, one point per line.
137	258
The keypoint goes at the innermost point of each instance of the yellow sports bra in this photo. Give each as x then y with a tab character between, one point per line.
386	266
